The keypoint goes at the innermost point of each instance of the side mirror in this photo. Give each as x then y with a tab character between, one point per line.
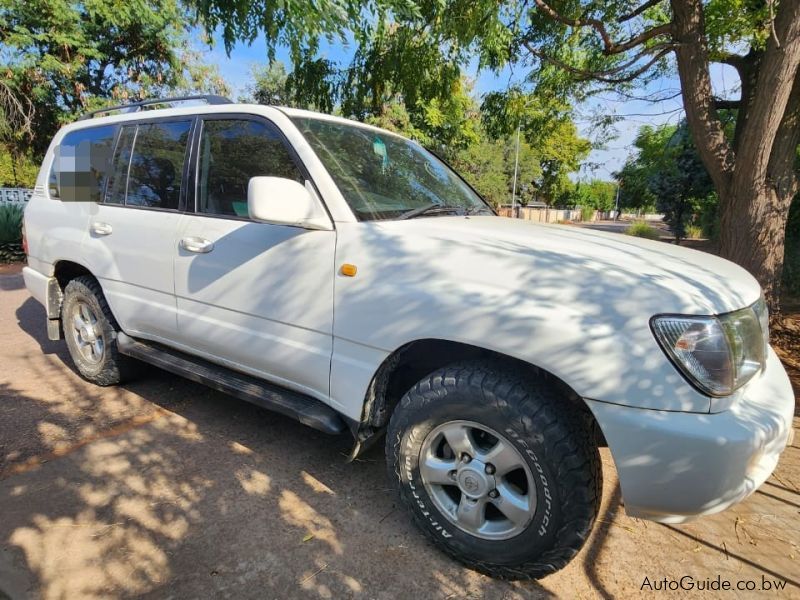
284	201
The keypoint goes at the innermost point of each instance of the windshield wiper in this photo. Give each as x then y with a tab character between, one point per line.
478	210
430	209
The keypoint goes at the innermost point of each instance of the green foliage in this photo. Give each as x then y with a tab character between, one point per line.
11	223
668	172
680	185
65	57
643	230
594	195
483	165
587	213
486	163
11	233
708	216
269	85
17	171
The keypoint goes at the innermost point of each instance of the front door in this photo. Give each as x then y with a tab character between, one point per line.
253	296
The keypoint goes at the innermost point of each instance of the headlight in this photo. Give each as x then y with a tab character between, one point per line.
716	354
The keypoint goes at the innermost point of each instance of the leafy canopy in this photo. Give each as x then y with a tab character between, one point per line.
61	57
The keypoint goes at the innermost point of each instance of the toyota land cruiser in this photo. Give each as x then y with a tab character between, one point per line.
346	277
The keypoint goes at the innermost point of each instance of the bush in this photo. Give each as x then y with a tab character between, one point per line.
708	218
694	232
587	213
11	233
643	230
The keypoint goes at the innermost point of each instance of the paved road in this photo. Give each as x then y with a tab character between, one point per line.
165	488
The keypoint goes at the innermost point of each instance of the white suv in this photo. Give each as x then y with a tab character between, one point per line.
344	276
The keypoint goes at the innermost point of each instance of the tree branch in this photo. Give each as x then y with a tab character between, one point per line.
721	103
595	24
733	60
640	39
607	76
609	45
640	10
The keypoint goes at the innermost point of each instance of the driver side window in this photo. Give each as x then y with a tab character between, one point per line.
231	152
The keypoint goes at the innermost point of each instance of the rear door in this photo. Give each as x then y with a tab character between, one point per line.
255	296
131	238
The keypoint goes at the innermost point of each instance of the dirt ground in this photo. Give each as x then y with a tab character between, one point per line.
164	488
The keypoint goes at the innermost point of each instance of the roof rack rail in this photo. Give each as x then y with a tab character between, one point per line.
137	106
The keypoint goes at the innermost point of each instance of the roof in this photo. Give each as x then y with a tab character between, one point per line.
204	109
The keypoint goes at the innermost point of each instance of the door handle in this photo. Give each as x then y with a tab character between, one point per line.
98	228
197	245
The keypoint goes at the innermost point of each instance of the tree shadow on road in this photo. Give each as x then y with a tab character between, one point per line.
163	486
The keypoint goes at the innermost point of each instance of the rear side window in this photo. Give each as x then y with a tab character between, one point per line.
231	152
81	164
156	164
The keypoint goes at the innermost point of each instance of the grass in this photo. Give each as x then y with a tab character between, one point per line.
694	232
643	230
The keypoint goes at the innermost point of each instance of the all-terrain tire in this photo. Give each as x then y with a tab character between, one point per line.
553	437
112	367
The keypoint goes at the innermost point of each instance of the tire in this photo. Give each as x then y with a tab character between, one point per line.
93	349
527	418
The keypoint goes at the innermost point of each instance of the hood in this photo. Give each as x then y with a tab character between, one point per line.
573	264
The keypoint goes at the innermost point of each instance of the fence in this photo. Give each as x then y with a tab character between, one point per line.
15	195
557	215
542	215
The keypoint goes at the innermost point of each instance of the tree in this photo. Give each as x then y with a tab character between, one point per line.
61	58
753	170
600	195
572	48
459	136
669	173
680	183
270	85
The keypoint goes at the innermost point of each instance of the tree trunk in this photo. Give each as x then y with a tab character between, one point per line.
755	184
752	234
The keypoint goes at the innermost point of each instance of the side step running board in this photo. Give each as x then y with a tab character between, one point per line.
305	409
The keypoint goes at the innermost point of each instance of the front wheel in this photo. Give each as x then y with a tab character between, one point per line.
495	469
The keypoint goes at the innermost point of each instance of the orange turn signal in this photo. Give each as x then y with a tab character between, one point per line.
349	270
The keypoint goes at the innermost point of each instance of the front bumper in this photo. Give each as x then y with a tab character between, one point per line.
673	466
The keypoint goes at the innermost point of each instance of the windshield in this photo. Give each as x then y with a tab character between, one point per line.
383	176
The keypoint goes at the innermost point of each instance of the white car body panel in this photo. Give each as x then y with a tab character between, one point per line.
271	301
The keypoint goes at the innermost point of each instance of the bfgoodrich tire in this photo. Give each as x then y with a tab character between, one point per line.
91	331
495	469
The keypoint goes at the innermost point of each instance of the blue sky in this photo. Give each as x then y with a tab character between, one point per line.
237	67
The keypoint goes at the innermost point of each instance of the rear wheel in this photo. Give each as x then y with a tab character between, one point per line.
91	333
495	469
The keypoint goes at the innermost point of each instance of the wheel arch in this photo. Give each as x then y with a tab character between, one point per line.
412	361
66	270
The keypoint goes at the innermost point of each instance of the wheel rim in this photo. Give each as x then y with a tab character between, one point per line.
87	333
478	480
